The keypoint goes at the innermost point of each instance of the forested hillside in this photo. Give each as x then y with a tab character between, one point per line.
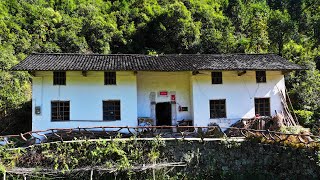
290	28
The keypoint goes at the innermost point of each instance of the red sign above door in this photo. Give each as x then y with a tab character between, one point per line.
163	93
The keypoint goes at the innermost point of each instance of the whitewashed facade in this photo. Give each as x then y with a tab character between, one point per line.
140	91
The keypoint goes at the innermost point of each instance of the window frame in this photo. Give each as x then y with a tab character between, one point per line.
106	111
216	77
256	104
59	78
110	80
224	114
58	112
261	76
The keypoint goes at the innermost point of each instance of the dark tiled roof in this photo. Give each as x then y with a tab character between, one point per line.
137	62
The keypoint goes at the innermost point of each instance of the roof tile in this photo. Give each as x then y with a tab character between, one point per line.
137	62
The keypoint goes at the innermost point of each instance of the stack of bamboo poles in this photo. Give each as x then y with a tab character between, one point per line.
288	119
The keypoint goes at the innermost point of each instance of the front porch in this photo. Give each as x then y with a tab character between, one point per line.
164	98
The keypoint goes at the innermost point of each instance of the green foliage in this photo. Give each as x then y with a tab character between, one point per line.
203	159
279	20
114	154
223	159
181	26
14	86
257	28
304	87
9	159
305	117
294	129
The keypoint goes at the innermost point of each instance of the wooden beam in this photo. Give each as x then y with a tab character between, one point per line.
285	72
240	73
32	73
84	73
195	72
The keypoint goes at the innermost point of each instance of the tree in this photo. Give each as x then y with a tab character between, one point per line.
304	86
256	29
14	86
280	28
173	31
68	36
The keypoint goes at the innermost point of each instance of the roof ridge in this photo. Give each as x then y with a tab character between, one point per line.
91	54
222	54
96	54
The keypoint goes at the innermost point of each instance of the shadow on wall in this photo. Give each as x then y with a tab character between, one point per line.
17	121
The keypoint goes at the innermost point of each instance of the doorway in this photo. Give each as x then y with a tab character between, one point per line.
163	114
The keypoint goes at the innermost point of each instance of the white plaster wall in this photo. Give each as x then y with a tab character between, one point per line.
179	82
193	91
239	92
85	95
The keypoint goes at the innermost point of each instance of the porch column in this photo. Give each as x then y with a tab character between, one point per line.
152	98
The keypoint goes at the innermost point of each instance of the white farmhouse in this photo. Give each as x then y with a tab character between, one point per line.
80	90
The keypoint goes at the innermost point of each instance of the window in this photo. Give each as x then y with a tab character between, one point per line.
261	76
60	110
111	110
110	78
59	78
262	106
216	77
218	108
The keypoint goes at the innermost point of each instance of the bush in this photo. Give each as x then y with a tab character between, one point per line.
294	130
305	117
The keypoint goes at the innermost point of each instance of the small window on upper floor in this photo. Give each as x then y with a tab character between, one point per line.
110	78
216	77
59	78
261	76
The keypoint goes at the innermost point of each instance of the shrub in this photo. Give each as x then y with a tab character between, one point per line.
305	117
294	130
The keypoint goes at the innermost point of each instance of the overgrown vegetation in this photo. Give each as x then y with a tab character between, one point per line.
17	120
286	27
142	159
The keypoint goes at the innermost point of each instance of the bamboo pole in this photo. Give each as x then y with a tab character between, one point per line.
295	116
154	172
91	174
